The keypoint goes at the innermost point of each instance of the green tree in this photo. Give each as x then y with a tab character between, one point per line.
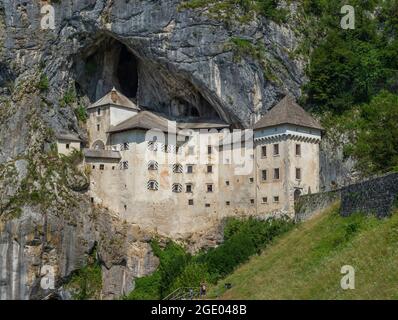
376	144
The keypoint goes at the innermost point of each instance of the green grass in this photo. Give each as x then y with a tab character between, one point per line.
305	263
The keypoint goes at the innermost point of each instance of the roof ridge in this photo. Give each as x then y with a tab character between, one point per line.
287	111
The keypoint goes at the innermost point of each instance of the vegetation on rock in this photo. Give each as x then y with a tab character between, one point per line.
243	238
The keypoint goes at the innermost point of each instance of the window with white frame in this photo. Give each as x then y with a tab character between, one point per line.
153	165
177	187
177	168
124	165
124	146
153	185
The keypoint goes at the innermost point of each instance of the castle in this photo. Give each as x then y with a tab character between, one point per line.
181	177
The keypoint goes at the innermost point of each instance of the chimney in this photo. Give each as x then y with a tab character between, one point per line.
114	96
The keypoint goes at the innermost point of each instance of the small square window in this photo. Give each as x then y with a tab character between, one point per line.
209	150
188	188
298	149
209	188
264	175
190	202
207	205
251	180
276	174
265	199
264	151
67	146
102	167
113	167
92	200
227	183
93	167
298	174
228	203
209	169
276	198
276	149
190	169
252	201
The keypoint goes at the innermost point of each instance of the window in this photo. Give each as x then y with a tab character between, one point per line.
298	174
113	167
102	167
227	183
124	146
152	146
124	165
228	203
125	207
67	146
276	149
264	175
251	180
98	111
252	201
298	149
152	165
190	202
263	151
188	188
153	185
276	174
98	127
207	205
209	188
209	150
190	169
209	169
177	188
276	198
265	199
93	167
177	168
92	200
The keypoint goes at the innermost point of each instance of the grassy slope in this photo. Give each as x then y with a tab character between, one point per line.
305	263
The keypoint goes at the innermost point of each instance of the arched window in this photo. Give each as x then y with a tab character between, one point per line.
153	165
177	188
177	168
153	185
98	145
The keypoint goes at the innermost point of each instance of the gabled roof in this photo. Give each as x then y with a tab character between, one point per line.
144	120
115	98
67	136
107	154
287	111
202	124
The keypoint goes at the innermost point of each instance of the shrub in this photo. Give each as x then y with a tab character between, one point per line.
81	113
43	84
177	268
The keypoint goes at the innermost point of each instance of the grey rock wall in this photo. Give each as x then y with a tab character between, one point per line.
375	196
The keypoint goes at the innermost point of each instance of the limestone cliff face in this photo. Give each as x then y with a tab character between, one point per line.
170	60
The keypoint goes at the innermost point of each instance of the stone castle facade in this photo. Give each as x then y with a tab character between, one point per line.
181	177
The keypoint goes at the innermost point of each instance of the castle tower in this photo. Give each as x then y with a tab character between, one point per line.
107	112
286	141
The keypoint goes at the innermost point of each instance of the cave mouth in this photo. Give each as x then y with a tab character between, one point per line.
127	73
109	63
